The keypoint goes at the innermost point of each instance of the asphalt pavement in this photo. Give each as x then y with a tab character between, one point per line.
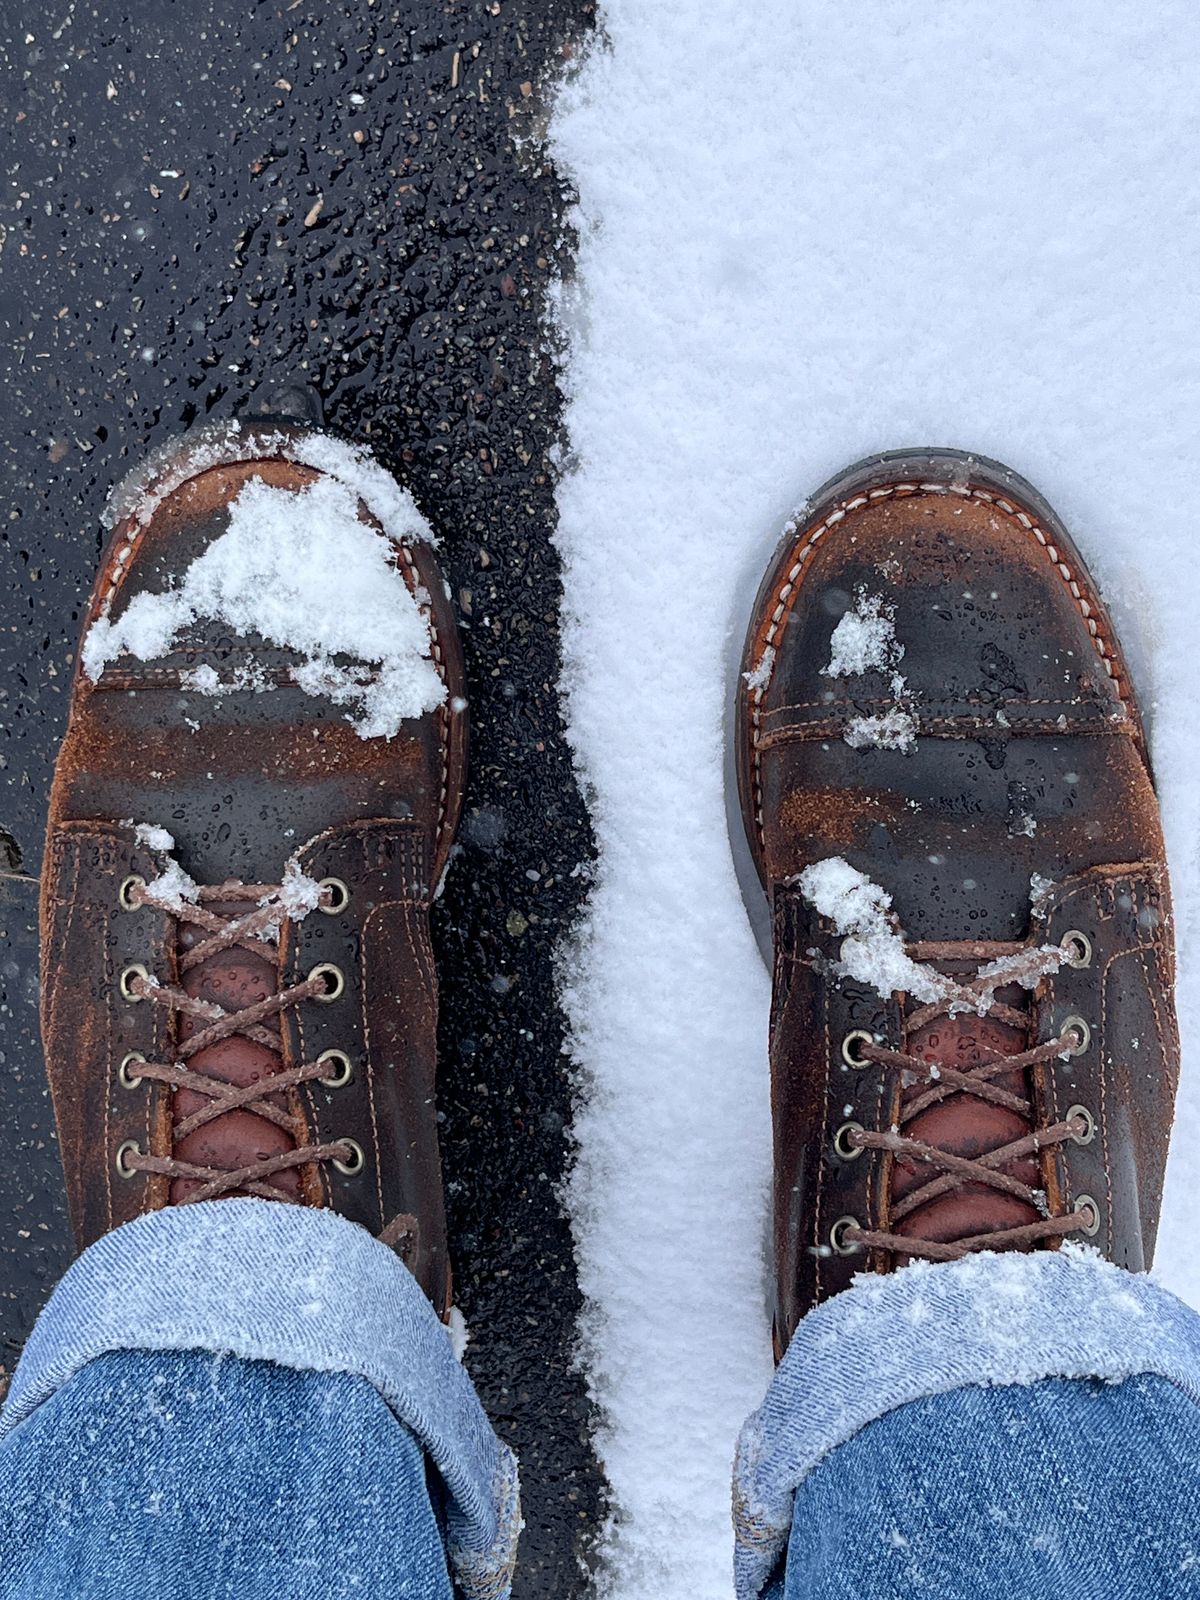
208	203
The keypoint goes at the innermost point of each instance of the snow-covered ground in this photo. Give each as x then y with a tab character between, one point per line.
811	231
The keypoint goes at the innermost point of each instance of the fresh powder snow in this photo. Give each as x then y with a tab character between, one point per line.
896	729
872	950
300	569
864	640
173	887
806	235
298	893
150	834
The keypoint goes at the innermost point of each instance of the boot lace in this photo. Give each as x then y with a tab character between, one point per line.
250	930
950	1171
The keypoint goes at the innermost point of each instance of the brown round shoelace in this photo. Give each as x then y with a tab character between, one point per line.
252	930
951	1171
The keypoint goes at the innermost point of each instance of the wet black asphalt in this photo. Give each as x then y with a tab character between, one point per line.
204	202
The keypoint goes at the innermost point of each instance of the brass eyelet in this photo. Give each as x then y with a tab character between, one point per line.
856	1036
842	1144
1082	1114
1083	1205
837	1240
357	1161
335	896
1083	1035
127	1079
343	1069
1077	948
128	974
335	981
124	893
128	1147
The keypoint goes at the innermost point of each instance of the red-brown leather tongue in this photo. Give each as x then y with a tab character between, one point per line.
965	1125
233	978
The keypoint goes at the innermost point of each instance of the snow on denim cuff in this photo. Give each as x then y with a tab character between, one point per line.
930	1328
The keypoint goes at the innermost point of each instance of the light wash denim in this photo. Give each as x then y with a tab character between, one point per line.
182	1475
255	1400
940	1372
301	1289
1068	1489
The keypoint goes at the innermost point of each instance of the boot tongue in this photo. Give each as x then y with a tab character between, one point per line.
234	978
964	1125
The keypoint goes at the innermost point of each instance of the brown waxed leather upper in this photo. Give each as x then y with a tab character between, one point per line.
243	781
1029	760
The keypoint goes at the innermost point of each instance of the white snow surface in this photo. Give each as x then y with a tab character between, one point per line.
806	236
302	570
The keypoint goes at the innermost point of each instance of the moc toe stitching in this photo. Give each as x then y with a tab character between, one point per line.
779	607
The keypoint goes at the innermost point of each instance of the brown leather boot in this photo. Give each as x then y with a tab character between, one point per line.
238	993
949	813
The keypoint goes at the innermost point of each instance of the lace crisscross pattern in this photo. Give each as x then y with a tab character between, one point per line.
949	1171
256	929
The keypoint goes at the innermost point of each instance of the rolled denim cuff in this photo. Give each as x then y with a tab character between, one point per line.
306	1289
927	1329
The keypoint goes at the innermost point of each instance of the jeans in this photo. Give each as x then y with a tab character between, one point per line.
248	1399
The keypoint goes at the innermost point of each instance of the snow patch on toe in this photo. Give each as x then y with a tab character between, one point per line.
893	730
864	640
206	680
300	569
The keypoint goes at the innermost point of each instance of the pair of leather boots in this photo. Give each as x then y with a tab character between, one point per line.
948	835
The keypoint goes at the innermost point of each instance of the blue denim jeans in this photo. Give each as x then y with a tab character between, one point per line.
247	1399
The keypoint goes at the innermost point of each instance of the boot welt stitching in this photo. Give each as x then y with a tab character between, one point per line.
123	555
803	555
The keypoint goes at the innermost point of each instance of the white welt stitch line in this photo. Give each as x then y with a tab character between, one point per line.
885	492
118	568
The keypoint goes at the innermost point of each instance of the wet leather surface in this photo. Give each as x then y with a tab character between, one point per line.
1028	760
